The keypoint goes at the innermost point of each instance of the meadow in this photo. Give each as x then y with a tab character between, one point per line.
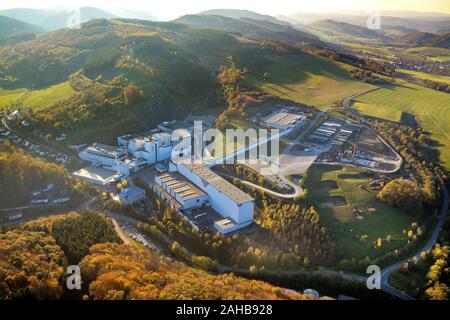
9	96
350	211
307	79
383	113
426	76
431	108
385	51
44	97
431	53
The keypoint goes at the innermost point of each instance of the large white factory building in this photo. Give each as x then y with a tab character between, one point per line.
233	204
187	187
135	152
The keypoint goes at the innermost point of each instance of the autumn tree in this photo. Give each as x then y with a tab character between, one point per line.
403	194
115	271
131	94
31	266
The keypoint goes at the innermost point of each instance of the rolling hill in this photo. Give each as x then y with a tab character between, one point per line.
419	39
395	31
421	21
173	64
244	14
51	20
10	26
249	28
346	30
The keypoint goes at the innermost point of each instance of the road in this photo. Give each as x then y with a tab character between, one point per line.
297	189
120	233
346	103
386	273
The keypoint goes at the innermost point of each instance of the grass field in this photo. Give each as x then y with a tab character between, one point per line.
345	188
384	113
426	76
9	96
384	51
431	108
432	53
41	98
308	79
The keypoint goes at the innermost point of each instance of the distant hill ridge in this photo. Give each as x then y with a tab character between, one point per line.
347	29
426	39
50	20
249	28
244	14
10	26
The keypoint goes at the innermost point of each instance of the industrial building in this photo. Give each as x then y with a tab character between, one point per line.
130	195
230	202
102	154
136	152
97	175
200	195
179	191
189	188
325	132
283	120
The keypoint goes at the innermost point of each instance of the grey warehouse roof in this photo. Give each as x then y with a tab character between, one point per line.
230	190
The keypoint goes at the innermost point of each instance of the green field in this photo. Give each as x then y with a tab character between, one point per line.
384	113
41	98
431	108
327	184
9	96
308	79
432	53
384	51
426	76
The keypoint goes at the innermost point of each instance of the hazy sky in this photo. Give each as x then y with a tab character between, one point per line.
174	8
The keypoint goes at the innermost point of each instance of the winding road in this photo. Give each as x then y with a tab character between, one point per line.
297	189
346	102
386	273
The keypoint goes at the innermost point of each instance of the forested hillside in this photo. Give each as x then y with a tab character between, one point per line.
170	67
33	259
122	272
31	266
21	174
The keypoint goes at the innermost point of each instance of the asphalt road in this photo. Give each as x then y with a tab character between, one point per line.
386	273
297	189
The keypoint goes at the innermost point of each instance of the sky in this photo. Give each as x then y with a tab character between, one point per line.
169	9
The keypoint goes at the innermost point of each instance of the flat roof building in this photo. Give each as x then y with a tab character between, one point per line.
96	175
184	192
225	198
130	195
103	154
282	120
